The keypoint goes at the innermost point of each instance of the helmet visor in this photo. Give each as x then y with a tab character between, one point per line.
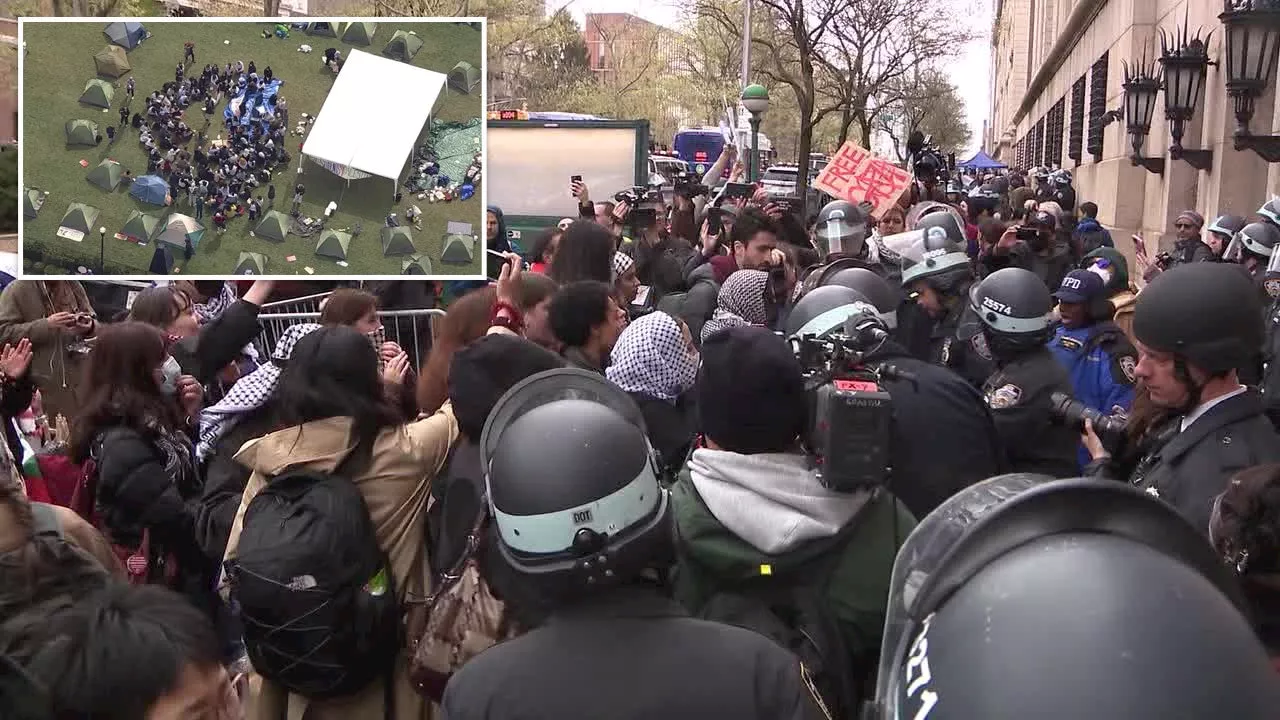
923	554
1273	265
841	236
1235	250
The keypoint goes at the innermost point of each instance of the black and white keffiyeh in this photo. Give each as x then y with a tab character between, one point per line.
652	357
741	302
621	264
249	393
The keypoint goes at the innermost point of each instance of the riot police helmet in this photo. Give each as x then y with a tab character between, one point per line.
982	198
841	228
1227	226
950	222
1012	308
1258	239
1270	211
979	586
929	253
872	287
572	484
916	213
834	310
1208	314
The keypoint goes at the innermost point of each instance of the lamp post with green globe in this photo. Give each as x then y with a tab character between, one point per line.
756	100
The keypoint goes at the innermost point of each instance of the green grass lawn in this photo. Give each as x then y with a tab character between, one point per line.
59	62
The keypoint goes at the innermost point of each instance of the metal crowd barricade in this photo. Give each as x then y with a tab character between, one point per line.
411	329
304	304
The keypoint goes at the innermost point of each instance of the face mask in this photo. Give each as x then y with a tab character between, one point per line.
170	371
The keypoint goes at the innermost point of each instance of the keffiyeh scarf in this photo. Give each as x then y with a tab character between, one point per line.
621	264
652	357
249	393
741	302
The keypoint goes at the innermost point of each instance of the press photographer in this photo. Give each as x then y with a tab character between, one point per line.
659	255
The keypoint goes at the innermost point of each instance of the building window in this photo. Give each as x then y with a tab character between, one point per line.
1097	106
1075	146
1037	143
1056	117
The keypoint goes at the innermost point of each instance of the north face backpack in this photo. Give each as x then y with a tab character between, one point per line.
312	586
790	608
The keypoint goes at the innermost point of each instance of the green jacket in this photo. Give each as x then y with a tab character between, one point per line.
709	554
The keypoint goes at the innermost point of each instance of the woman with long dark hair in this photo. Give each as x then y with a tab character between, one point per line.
358	309
135	426
585	252
331	404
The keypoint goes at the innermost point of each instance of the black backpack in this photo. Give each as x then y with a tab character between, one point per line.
312	586
791	609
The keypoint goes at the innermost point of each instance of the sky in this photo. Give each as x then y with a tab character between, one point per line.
971	71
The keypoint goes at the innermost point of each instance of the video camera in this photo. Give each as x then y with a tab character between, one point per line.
687	186
851	414
929	165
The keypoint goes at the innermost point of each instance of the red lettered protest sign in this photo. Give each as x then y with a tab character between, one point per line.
854	174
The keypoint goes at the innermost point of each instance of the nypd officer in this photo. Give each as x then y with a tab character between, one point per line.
1271	351
580	518
840	234
1012	310
1195	325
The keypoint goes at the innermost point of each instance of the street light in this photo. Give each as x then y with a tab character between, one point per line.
1186	62
102	250
756	100
1253	38
1140	88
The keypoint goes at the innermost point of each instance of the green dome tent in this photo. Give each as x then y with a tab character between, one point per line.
464	77
402	46
250	263
112	61
179	227
106	175
97	93
416	265
359	33
79	217
274	226
458	250
82	132
322	28
140	227
32	200
397	241
333	244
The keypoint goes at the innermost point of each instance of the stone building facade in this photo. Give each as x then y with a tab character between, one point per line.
1057	74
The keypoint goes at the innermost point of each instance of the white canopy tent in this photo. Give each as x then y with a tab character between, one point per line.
371	119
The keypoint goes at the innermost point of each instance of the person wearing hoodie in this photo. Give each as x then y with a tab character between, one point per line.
1089	234
496	230
744	299
1112	266
750	501
656	363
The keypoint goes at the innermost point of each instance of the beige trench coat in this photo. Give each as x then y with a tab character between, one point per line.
396	486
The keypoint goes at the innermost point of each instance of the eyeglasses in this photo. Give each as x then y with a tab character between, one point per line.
1182	226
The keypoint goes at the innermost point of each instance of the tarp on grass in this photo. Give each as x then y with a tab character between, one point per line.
179	227
402	46
151	189
97	93
79	217
397	241
333	244
140	227
273	226
112	61
32	200
250	263
82	132
359	33
458	250
106	175
416	265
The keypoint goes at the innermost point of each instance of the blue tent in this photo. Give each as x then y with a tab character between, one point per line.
982	161
125	34
150	189
261	105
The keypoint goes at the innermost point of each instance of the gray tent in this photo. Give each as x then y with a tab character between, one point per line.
141	227
416	265
32	200
402	46
97	93
82	132
464	77
106	175
179	228
333	244
458	250
359	33
322	28
273	226
112	61
397	241
250	263
79	217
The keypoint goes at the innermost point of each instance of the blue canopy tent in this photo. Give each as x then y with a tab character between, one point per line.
150	189
982	161
125	34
